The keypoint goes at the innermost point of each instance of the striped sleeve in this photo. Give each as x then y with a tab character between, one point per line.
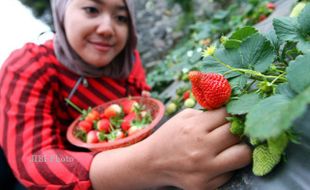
29	135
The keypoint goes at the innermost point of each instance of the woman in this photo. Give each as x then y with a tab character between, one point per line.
91	60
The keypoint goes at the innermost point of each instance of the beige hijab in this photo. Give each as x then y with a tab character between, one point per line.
120	66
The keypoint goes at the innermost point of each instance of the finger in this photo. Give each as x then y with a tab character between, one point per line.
213	119
235	157
219	180
221	138
189	112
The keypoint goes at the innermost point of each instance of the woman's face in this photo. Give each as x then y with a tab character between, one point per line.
97	29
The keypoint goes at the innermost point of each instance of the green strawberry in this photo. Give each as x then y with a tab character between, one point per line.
263	160
237	126
189	103
171	108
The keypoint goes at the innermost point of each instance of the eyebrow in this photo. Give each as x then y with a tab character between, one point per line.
121	7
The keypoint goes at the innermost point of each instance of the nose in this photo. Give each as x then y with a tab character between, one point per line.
105	26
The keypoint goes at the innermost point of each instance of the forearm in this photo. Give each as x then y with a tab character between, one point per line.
132	167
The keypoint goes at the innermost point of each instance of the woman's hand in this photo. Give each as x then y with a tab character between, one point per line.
195	150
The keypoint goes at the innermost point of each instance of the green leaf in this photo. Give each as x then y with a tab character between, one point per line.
298	73
238	83
286	29
230	57
238	36
211	65
232	43
286	90
304	19
243	33
257	52
272	37
243	105
274	115
263	121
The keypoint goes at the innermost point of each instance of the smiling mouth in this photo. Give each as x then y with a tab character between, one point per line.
103	47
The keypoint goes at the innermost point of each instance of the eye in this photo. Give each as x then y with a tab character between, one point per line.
91	10
122	19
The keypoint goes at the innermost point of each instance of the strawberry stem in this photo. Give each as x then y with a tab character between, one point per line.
248	71
73	105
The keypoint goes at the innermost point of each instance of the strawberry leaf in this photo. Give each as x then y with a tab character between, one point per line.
238	36
298	73
257	52
238	83
303	20
286	29
286	90
295	29
265	121
243	105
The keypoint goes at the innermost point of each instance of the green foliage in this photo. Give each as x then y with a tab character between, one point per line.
269	75
243	104
39	8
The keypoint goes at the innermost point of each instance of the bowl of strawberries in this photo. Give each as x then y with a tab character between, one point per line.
116	124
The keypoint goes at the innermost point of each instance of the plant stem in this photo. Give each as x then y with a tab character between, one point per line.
248	71
73	105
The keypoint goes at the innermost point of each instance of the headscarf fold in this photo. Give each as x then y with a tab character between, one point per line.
120	67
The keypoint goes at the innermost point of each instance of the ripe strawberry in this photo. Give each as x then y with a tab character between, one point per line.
92	136
271	6
129	106
211	90
111	111
104	125
127	121
85	125
186	95
92	116
262	17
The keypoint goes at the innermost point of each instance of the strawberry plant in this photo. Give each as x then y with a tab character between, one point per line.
269	77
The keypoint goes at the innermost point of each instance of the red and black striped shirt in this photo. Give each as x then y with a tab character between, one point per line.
34	116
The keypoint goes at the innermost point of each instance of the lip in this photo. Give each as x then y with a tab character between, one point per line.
102	46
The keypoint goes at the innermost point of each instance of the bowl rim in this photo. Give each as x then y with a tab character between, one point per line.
119	142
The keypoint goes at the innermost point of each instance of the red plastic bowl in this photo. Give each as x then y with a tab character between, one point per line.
154	106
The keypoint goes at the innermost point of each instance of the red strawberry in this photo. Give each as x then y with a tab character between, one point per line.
271	6
127	121
262	17
112	111
92	116
186	95
85	125
211	90
92	137
104	125
129	106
